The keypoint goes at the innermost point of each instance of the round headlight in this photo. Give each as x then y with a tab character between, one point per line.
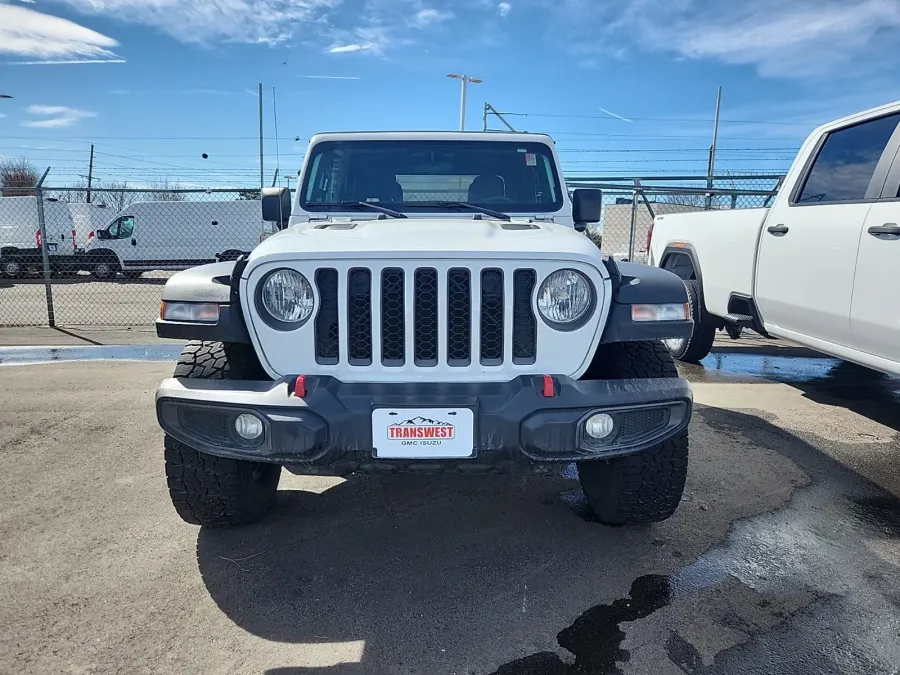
287	297
565	297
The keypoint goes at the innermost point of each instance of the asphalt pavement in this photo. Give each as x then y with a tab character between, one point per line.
784	556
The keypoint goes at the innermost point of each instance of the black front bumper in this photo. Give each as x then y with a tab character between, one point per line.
329	429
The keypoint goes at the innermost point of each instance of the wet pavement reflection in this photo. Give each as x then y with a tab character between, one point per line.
22	356
835	377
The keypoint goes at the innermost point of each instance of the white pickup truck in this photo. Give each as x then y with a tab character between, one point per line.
819	266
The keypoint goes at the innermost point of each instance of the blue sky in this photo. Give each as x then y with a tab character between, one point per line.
156	83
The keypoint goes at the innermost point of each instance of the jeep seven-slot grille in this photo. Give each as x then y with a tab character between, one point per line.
439	315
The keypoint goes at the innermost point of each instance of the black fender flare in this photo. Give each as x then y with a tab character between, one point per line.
636	284
214	283
671	252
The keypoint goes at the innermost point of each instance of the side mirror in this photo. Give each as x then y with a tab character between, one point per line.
102	234
276	205
587	205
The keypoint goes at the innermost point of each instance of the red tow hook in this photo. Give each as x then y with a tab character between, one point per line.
548	387
300	386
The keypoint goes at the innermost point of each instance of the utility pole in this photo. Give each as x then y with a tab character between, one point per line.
711	169
90	174
464	79
489	108
262	178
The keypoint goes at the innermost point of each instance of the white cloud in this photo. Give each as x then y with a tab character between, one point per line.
351	48
2	115
63	62
799	39
199	21
57	116
426	17
504	8
25	32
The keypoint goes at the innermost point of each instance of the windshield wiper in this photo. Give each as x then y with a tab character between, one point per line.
464	205
363	205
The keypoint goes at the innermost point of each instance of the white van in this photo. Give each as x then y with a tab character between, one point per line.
174	236
20	239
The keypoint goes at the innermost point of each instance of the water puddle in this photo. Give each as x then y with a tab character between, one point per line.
26	356
780	368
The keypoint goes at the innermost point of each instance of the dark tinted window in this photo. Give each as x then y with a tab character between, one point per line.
846	162
414	176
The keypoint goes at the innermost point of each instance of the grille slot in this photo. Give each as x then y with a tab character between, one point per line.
491	317
359	317
393	319
524	337
327	331
426	317
459	318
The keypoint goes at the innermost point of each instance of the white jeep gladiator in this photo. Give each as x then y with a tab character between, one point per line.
818	267
430	303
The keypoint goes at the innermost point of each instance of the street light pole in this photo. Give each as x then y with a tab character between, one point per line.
464	79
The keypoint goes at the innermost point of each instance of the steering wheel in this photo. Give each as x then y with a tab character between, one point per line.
497	200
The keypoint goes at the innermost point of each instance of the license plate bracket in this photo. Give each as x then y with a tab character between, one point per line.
423	433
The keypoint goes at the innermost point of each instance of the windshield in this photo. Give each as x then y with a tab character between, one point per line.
423	175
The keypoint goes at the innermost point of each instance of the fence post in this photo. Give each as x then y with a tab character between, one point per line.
634	206
48	288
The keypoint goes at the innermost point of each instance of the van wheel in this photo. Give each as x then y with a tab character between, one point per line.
697	347
645	487
217	491
104	270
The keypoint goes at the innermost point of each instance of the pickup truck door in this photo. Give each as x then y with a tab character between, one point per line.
875	313
809	242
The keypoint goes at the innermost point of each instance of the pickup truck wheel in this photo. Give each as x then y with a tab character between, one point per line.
645	487
215	491
12	269
698	346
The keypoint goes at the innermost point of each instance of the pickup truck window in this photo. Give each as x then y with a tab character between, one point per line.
846	162
418	176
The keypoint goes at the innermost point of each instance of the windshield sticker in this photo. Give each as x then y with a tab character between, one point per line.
530	159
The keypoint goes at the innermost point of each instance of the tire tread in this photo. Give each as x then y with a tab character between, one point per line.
645	487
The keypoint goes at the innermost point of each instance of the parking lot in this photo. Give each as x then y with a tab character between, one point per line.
82	300
783	557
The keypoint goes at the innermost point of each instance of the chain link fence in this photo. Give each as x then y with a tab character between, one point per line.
630	204
69	262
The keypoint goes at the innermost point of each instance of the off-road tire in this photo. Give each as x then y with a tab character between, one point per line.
216	491
645	487
698	346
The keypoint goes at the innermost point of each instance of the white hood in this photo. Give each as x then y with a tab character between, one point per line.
434	237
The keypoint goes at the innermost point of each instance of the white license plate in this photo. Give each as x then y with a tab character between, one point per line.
423	433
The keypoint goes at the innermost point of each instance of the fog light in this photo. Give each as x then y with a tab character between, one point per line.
599	426
248	426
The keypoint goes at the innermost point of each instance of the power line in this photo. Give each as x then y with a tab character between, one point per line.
659	119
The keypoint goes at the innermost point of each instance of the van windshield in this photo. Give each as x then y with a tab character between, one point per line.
423	175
